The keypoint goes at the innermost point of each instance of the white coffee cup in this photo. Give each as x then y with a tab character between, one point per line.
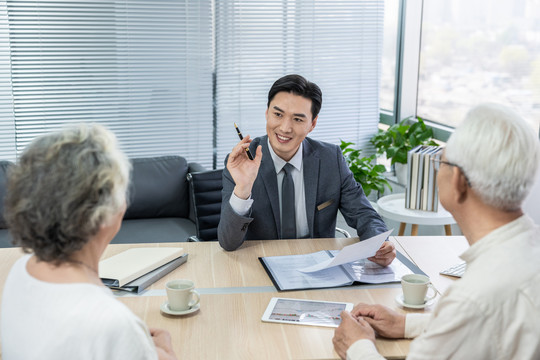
181	294
415	287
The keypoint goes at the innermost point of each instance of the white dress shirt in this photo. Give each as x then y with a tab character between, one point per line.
241	206
492	312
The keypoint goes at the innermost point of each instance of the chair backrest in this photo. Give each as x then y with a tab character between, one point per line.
205	191
158	188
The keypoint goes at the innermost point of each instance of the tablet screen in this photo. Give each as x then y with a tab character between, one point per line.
305	312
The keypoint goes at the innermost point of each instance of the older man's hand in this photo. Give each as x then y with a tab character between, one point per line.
349	331
384	321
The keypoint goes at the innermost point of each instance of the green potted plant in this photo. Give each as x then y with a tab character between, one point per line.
365	169
398	139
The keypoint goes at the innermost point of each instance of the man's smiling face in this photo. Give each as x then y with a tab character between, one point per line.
288	122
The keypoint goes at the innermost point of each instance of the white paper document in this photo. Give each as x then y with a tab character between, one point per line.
361	250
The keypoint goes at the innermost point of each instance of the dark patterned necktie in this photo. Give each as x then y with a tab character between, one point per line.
288	217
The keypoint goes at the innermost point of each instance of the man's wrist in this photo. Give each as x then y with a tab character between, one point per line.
363	349
415	324
240	206
243	194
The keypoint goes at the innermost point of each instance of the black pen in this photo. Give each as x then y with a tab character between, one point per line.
241	138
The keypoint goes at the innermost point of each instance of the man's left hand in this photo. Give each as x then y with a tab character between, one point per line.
385	255
350	331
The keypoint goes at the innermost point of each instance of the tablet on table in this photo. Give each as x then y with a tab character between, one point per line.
305	312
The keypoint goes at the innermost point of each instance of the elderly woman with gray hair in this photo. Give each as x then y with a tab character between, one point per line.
65	201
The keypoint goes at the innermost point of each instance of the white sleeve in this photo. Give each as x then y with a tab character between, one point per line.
240	206
415	324
363	349
124	336
458	330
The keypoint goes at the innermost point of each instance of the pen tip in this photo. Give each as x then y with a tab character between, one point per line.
235	125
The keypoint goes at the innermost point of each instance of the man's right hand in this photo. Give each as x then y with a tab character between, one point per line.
384	321
243	171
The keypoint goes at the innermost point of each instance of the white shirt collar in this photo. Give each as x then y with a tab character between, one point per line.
498	236
279	163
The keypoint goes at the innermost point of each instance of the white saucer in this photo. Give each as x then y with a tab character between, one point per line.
401	301
165	308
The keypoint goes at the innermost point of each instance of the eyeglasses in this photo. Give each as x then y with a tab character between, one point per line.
437	164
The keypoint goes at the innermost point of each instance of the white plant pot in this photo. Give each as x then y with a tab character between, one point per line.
401	173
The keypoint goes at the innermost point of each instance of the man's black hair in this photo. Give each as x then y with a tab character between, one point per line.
298	85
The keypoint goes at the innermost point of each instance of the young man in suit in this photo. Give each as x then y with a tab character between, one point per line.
493	311
261	202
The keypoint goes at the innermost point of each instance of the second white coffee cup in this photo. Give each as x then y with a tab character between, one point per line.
181	294
415	287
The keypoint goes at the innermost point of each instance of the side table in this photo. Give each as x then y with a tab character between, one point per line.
393	208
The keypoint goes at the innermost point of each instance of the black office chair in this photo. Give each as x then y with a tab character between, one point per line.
205	193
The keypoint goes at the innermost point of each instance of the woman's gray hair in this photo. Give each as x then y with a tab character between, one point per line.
63	188
498	152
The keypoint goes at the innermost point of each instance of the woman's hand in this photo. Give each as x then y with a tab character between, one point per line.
162	341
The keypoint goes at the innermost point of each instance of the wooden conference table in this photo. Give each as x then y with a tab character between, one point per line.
235	291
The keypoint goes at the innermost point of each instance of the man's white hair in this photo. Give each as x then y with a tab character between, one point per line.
498	152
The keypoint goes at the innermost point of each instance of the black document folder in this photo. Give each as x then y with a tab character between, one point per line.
283	271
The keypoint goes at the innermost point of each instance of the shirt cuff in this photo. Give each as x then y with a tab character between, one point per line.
363	349
240	206
415	324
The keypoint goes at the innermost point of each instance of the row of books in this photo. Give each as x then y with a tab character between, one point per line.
421	192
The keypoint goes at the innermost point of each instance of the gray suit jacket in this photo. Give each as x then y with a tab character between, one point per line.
329	186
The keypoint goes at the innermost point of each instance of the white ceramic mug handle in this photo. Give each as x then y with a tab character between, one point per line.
196	301
430	286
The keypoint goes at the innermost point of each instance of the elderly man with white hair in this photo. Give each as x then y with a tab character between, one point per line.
493	311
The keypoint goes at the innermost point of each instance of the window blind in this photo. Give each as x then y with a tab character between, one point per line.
7	125
142	68
336	44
